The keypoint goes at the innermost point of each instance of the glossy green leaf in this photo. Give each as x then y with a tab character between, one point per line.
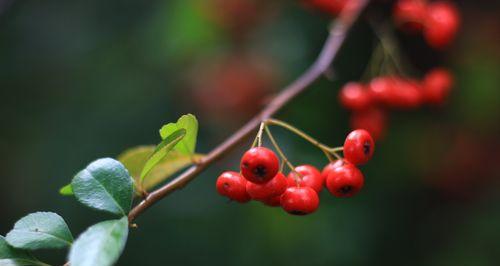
101	244
135	158
66	190
40	230
104	185
161	151
10	256
190	124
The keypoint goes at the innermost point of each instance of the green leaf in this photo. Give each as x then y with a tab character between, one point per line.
40	230
10	256
101	244
135	158
162	150
66	190
190	124
104	185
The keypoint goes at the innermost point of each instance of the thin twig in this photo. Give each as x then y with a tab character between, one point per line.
338	33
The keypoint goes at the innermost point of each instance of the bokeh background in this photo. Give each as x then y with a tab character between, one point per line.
80	80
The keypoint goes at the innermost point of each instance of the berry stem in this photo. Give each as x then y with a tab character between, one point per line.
278	149
258	139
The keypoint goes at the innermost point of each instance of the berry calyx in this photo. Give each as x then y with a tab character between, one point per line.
232	185
441	24
308	176
354	96
274	187
437	85
345	181
259	165
299	200
358	147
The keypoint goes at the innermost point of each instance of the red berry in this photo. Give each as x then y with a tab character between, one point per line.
299	200
274	187
373	120
441	24
273	201
308	176
259	165
345	181
329	167
437	85
407	94
354	96
410	14
233	186
381	89
333	7
358	147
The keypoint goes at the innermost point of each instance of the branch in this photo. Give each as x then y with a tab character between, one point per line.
338	33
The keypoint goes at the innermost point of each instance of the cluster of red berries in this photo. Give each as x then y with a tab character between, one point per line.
439	21
260	178
370	102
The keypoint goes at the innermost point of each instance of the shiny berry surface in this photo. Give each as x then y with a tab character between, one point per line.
299	200
381	89
354	96
232	185
437	85
274	187
359	147
441	24
329	167
345	181
259	165
308	176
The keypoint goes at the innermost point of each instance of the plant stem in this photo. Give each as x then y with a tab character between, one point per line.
278	149
336	38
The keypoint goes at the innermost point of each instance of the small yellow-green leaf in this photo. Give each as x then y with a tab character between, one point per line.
66	190
161	151
188	122
135	158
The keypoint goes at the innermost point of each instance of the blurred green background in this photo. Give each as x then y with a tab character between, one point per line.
81	80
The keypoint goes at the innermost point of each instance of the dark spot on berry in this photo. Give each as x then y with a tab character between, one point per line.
297	212
244	165
260	171
226	186
367	147
345	189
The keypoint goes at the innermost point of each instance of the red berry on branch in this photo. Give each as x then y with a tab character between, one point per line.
273	201
274	187
354	96
410	14
308	176
299	200
332	165
407	94
373	120
441	24
381	89
259	165
358	147
437	85
232	185
345	181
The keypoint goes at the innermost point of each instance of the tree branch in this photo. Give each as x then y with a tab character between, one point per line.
338	33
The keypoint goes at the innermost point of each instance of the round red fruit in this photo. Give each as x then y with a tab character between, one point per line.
259	165
354	96
381	89
437	85
441	24
407	95
373	120
410	14
329	167
299	200
359	147
345	181
274	187
232	185
308	176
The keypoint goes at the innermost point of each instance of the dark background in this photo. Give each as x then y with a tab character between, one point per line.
80	80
